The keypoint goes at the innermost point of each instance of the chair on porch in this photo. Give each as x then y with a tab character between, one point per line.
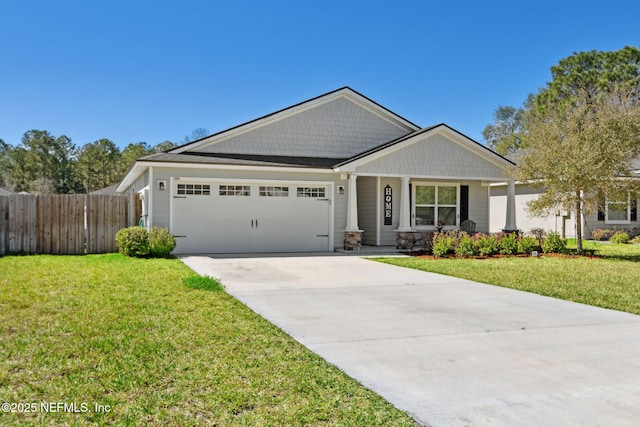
468	226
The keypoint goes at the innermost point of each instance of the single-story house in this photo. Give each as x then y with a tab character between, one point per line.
612	213
336	171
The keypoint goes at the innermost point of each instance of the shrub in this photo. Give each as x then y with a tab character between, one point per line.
133	241
635	240
554	243
466	246
443	243
487	245
539	234
161	242
527	244
620	238
508	243
602	234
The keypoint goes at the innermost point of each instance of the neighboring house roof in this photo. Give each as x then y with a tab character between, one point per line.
110	190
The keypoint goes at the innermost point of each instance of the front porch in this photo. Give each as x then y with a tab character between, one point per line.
404	211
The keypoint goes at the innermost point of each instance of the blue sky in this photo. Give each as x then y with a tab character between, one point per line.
151	71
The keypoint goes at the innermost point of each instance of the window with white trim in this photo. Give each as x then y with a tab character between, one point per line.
618	208
311	192
271	191
194	189
235	190
433	203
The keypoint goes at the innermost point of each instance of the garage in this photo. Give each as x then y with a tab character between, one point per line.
244	216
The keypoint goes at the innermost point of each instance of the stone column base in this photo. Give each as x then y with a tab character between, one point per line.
352	240
410	239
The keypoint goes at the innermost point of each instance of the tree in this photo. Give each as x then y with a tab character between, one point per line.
584	76
45	164
505	135
581	150
98	165
196	134
4	163
130	154
164	146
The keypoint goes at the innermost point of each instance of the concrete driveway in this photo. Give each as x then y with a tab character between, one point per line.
450	352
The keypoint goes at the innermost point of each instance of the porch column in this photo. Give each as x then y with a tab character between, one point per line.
405	208
352	234
511	207
352	204
405	237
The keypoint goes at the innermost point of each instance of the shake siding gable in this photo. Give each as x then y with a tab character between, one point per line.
434	156
339	128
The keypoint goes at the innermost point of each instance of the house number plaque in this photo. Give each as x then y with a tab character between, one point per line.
388	210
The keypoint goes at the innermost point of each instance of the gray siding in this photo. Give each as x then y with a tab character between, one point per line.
478	205
435	156
592	223
337	129
367	208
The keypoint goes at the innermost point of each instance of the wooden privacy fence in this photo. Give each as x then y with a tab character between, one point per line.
69	224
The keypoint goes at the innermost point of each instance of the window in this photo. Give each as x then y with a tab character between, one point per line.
434	203
311	192
618	208
235	190
194	189
266	191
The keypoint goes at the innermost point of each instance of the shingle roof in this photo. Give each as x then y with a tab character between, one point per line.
243	160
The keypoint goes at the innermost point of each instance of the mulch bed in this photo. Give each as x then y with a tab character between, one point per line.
424	255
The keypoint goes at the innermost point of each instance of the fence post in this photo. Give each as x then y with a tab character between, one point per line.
4	225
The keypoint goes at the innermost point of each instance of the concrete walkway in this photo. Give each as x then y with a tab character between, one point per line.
448	351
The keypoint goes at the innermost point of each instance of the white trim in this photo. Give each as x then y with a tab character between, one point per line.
150	206
416	184
378	210
432	177
617	221
141	167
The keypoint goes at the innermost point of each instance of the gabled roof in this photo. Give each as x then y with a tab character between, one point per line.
188	154
345	92
401	142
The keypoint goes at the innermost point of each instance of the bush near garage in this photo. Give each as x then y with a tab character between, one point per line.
161	242
140	243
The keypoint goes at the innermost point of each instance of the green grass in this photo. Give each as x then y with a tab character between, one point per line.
160	347
612	281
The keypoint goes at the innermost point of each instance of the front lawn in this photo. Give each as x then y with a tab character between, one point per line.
611	281
131	336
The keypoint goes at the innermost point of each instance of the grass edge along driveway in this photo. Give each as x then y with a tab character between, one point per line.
609	282
109	340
